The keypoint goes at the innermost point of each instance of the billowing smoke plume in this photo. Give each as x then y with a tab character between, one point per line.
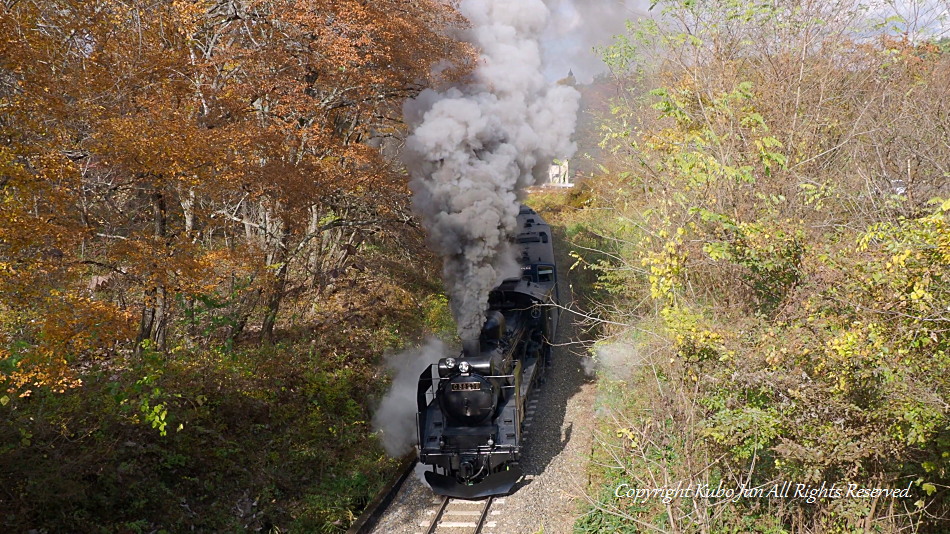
475	147
395	417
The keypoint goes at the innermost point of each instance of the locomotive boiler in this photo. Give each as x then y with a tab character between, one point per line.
471	407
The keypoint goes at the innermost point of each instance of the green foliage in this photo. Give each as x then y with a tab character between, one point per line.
770	254
745	431
438	316
214	441
693	341
205	315
635	444
795	291
626	52
332	503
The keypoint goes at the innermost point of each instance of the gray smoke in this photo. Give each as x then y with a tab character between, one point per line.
394	420
474	148
577	28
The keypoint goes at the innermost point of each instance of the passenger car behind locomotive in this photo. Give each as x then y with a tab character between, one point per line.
471	408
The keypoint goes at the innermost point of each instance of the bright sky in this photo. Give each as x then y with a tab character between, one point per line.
577	26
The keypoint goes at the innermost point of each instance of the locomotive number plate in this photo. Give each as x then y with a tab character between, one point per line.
466	386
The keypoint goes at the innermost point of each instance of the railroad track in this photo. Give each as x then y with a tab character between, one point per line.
459	516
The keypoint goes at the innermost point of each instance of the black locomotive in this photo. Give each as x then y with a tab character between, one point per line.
471	408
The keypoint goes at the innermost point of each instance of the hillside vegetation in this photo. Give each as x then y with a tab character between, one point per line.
205	249
770	240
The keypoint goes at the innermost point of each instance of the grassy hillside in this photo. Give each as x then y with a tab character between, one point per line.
771	248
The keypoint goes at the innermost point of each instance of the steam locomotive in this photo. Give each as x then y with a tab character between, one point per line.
471	408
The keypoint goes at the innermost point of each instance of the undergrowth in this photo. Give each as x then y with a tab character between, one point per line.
216	436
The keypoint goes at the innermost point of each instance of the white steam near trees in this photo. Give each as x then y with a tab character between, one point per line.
474	148
394	418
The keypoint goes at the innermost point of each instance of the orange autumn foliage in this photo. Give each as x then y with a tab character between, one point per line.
151	152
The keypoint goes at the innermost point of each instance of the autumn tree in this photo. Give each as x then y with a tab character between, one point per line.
157	152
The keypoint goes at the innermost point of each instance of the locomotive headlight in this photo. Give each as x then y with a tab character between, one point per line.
464	367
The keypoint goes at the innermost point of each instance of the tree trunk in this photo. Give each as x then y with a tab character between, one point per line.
154	322
313	259
188	211
276	236
274	298
248	225
159	213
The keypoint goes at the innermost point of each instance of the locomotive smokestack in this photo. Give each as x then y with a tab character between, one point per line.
471	348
